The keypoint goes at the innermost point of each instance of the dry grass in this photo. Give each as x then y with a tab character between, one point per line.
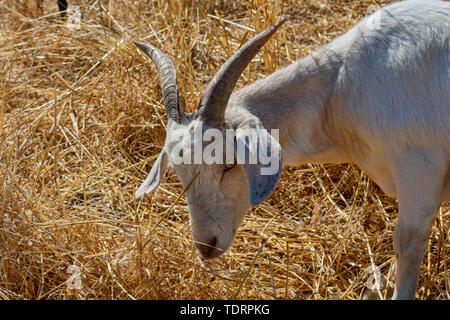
82	120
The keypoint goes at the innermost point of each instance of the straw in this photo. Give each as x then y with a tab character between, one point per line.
81	123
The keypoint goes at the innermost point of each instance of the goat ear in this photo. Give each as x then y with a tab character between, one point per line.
154	177
260	155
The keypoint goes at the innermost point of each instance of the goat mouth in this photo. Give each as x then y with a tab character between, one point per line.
212	255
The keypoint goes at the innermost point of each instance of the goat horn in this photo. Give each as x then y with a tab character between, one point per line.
215	98
168	77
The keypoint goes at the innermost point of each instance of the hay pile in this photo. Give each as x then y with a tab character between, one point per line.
81	123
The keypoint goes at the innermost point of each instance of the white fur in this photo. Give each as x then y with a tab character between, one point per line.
378	96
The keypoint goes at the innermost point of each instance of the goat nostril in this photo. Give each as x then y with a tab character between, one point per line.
206	247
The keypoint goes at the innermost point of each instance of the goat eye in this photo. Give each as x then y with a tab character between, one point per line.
228	167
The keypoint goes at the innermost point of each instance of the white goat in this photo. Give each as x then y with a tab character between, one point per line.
377	96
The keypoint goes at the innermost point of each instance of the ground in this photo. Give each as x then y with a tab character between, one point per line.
82	121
